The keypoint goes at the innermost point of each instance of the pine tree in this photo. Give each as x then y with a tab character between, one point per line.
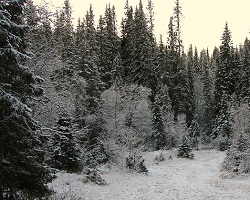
176	62
196	61
185	149
66	152
63	36
194	132
223	82
190	104
223	124
142	66
242	89
22	168
224	88
177	17
127	42
88	110
172	62
108	42
208	104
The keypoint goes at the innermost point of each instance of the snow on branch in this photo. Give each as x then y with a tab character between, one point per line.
15	104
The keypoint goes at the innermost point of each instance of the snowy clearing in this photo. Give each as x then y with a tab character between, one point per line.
172	179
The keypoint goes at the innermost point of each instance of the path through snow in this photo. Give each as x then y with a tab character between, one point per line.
176	179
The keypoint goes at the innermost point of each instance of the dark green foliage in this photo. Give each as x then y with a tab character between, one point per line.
243	81
22	168
185	149
109	45
224	82
89	103
208	104
224	87
176	60
66	152
127	42
190	102
63	36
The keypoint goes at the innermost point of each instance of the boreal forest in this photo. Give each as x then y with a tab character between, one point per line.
104	110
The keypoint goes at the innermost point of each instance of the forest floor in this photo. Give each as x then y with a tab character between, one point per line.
172	179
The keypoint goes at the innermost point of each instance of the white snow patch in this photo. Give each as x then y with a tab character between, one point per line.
172	179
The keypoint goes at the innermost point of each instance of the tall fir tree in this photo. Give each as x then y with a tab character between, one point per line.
22	168
108	42
89	116
63	36
224	87
127	41
208	103
243	85
223	82
190	104
66	151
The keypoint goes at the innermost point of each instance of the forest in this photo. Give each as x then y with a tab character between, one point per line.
103	93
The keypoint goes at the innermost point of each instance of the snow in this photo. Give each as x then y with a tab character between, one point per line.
176	178
16	104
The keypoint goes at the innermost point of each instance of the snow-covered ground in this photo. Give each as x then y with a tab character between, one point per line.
172	179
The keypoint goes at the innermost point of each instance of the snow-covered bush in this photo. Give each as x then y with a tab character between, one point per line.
128	121
92	175
160	157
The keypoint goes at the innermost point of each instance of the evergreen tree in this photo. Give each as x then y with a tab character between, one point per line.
66	152
196	61
127	42
193	133
223	82
22	168
208	104
89	116
63	35
242	89
177	17
185	149
172	62
223	89
190	104
223	124
143	63
109	43
176	62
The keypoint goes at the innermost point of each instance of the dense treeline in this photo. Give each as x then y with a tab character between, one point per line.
108	95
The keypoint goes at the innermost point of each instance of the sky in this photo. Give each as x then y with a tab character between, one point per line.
202	23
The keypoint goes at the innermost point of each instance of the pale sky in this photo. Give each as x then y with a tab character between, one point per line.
202	23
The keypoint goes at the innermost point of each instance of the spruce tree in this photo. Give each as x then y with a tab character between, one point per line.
196	61
208	104
224	87
127	42
22	168
63	36
242	89
108	42
223	82
142	66
66	152
89	116
190	104
172	61
175	60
